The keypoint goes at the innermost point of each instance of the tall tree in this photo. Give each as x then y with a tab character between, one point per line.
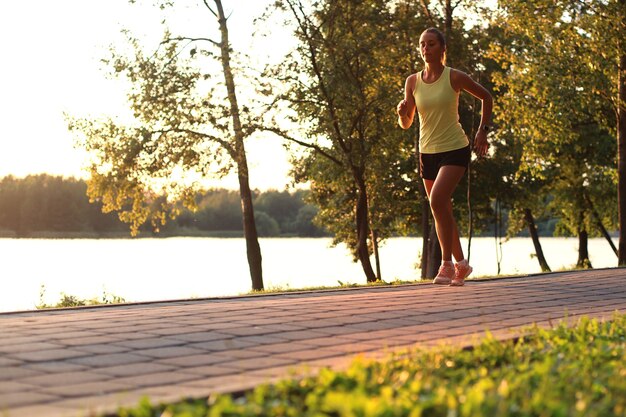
621	131
409	16
340	86
604	22
551	105
187	124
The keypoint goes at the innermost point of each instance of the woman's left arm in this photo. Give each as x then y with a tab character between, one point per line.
461	81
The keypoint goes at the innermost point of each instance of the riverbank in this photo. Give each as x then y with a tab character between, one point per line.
141	270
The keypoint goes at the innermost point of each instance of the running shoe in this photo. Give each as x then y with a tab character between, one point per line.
445	274
461	271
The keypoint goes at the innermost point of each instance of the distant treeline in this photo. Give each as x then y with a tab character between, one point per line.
53	206
45	205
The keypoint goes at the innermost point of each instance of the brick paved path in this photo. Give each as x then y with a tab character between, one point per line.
80	361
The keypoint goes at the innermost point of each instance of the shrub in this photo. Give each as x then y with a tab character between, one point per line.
578	371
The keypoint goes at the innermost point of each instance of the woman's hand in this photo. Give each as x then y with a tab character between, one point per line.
403	108
481	146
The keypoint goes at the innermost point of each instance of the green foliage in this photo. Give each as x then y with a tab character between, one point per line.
50	203
185	126
44	205
74	301
579	371
345	105
554	111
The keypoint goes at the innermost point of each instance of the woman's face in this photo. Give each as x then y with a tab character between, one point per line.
430	48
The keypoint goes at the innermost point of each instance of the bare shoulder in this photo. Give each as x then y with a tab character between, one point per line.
459	80
410	83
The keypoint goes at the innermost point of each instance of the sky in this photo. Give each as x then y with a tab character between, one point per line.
51	65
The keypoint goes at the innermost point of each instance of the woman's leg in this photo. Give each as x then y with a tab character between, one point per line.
457	249
439	193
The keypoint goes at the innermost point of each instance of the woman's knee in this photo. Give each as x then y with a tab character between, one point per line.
439	204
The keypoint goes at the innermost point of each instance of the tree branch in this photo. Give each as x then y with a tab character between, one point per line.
183	38
225	144
313	146
304	25
427	12
209	7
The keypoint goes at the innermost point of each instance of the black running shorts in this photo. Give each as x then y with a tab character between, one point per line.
431	162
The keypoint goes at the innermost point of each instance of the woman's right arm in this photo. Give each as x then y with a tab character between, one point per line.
406	108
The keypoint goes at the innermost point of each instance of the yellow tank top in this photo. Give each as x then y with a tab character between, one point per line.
438	108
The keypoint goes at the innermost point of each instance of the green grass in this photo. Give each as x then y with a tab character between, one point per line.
68	300
579	371
286	288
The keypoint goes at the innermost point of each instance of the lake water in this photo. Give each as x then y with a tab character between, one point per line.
174	268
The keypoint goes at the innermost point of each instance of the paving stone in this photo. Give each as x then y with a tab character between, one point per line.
65	378
153	342
96	405
47	355
156	379
205	336
54	367
356	347
326	340
302	335
101	349
195	360
283	347
86	389
247	353
129	335
134	369
110	359
305	355
259	363
82	341
263	339
221	345
248	331
228	383
5	362
16	349
13	338
46	410
212	370
14	386
16	399
287	371
8	373
169	352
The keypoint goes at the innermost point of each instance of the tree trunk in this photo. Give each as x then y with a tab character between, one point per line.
470	214
423	197
425	235
532	229
583	252
497	234
600	225
434	252
375	251
249	225
447	29
621	149
362	230
253	249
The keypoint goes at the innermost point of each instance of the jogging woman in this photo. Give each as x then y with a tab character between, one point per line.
444	147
